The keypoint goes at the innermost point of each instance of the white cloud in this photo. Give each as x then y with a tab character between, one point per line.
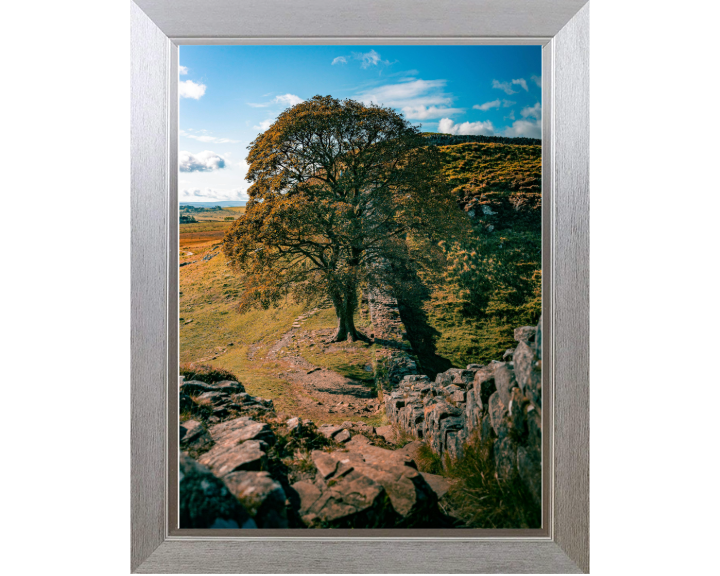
425	112
525	128
537	80
368	59
212	194
182	70
339	60
494	104
189	89
510	116
447	126
485	107
521	82
289	99
532	112
206	161
412	93
507	87
207	138
265	124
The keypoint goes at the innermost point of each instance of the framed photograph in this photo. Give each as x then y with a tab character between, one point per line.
360	287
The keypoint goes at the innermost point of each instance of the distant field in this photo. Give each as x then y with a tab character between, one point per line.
217	215
201	235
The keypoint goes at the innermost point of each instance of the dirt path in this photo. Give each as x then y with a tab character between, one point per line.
319	391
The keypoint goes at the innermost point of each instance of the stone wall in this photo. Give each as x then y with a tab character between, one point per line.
395	359
499	403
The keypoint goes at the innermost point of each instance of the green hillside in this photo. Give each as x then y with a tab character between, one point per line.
492	278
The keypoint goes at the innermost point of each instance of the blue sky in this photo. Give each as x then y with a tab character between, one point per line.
229	94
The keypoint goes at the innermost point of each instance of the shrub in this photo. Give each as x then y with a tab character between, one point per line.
427	460
484	501
205	373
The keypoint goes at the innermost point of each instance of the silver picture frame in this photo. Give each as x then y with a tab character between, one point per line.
158	28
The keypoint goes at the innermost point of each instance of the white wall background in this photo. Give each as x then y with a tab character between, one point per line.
655	373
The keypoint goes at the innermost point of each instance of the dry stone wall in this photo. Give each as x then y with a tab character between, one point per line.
395	359
500	403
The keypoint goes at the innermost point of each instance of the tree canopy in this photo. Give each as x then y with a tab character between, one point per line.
337	187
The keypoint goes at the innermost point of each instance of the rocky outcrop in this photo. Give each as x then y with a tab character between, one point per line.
353	483
499	403
206	502
365	486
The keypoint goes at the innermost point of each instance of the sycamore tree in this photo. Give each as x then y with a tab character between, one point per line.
337	189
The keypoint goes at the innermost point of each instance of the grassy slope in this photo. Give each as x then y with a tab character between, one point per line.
220	336
500	166
476	169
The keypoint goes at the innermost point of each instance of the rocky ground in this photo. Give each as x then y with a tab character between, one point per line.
243	465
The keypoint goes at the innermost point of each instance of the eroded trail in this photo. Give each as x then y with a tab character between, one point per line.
320	391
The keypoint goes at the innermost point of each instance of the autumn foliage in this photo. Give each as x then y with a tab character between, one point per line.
337	189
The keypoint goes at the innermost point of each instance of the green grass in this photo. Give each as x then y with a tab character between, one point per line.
482	500
221	337
206	226
347	358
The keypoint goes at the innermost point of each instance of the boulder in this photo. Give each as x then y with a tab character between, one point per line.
516	410
352	501
329	430
505	454
225	457
533	421
206	502
241	429
304	495
294	426
454	442
504	381
508	355
486	429
530	470
380	456
342	436
195	387
528	372
215	397
525	334
194	435
484	383
473	410
363	428
439	484
325	464
410	495
463	378
262	497
413	378
358	439
230	386
389	433
498	413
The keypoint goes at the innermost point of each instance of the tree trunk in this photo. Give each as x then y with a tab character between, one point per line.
345	309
